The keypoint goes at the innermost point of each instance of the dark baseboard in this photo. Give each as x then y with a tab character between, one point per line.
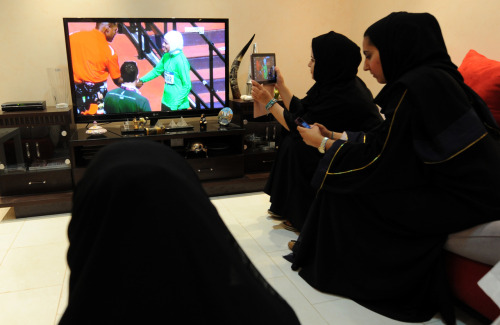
55	203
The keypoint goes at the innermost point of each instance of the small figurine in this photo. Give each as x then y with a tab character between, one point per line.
142	122
182	122
203	123
136	124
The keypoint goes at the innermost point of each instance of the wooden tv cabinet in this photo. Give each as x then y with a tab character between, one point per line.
221	173
222	160
35	166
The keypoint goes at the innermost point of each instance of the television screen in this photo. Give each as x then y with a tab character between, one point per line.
156	68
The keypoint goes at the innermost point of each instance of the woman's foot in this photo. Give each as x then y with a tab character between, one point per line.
288	226
274	215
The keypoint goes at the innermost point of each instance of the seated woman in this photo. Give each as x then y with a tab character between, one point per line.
388	198
338	99
146	245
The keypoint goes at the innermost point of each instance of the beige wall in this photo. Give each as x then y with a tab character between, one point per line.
32	37
466	24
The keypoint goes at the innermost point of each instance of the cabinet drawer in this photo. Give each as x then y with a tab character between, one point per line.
36	182
259	162
219	167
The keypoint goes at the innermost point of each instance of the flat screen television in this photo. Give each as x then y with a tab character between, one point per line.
99	48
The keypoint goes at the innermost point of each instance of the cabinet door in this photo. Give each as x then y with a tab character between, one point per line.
35	159
218	168
11	150
46	148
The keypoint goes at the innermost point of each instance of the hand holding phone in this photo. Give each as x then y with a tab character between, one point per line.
300	122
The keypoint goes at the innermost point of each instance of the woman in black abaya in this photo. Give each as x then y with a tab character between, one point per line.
148	247
338	99
389	198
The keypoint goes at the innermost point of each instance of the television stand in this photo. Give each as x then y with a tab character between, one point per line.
224	159
48	189
35	166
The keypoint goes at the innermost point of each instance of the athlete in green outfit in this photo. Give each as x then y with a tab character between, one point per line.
175	68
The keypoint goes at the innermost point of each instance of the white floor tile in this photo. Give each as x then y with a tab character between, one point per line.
306	313
6	241
8	232
63	297
312	295
63	301
271	238
227	216
462	319
2	255
34	275
43	230
347	312
33	267
10	226
33	307
259	258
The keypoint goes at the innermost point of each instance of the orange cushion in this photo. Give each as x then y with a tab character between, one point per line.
483	76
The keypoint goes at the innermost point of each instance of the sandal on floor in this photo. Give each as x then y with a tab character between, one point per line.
274	215
288	226
291	243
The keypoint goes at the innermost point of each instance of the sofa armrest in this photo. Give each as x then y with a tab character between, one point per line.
480	243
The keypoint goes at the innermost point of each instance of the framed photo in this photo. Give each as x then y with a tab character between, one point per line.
264	67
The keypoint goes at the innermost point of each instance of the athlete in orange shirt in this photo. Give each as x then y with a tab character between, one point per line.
93	60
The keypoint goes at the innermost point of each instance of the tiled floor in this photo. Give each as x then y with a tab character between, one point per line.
34	275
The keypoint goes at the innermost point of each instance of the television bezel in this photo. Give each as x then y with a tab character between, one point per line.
153	115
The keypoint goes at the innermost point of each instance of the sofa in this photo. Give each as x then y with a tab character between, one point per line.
470	254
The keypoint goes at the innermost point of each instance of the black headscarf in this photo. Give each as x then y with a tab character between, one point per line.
337	88
409	40
336	65
414	57
147	246
336	59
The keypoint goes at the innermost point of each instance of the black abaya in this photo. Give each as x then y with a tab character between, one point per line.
148	247
340	101
376	229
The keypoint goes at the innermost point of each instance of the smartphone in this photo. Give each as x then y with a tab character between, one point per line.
300	122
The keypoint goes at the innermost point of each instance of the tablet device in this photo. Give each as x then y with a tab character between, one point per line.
264	67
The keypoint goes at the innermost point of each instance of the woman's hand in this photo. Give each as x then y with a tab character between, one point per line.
260	94
323	130
312	136
280	81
